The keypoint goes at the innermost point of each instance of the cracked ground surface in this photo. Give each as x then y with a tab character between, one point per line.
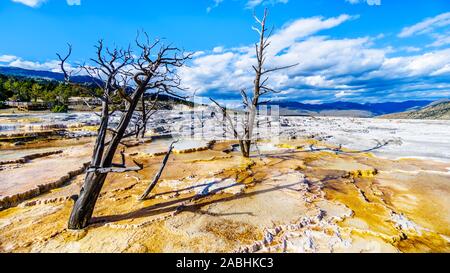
286	199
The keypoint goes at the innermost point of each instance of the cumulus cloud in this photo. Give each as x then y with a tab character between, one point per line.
231	69
7	58
352	69
302	28
369	2
218	49
30	3
52	65
328	69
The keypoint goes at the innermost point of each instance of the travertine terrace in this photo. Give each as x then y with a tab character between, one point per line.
298	194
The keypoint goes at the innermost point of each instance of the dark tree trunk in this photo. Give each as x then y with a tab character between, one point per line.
84	205
93	182
245	147
115	84
144	118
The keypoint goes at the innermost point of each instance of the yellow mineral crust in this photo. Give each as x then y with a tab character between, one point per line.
213	200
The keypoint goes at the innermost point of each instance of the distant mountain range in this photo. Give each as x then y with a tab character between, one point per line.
352	109
37	74
411	108
436	110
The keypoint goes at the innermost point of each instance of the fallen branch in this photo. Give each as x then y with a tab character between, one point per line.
158	175
113	169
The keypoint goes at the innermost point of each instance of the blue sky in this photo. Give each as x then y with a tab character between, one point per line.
366	50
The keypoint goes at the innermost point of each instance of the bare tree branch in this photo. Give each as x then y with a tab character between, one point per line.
124	79
63	62
158	174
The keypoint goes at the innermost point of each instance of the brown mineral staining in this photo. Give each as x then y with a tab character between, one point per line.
234	231
426	242
288	199
363	173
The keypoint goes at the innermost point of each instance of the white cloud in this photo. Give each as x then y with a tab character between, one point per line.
73	2
440	39
253	3
7	58
437	28
328	69
37	3
214	5
421	65
442	71
426	26
369	2
302	28
250	4
30	3
231	69
47	66
410	49
341	94
218	49
427	63
197	53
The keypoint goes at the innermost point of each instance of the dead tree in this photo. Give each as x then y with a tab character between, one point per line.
158	174
252	101
124	76
143	116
